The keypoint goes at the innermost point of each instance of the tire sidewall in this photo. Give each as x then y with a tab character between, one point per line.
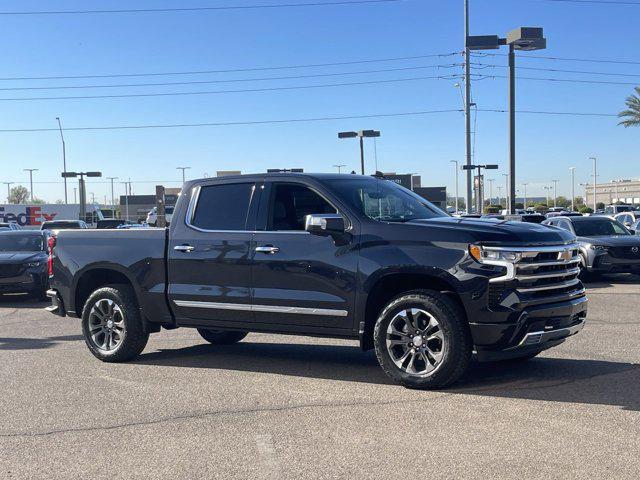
446	315
116	296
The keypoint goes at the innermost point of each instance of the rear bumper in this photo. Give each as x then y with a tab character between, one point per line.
57	305
537	328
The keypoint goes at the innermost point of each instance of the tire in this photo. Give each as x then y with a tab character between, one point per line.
221	337
446	345
112	325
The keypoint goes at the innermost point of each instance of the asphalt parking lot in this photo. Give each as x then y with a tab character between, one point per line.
276	407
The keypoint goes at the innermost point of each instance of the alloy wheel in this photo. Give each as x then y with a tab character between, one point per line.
415	342
106	325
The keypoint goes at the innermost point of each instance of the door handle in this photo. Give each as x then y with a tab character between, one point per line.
184	248
267	249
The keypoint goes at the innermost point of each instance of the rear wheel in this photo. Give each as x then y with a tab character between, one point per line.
112	325
221	337
422	340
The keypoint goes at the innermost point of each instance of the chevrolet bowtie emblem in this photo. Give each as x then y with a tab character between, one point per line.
566	255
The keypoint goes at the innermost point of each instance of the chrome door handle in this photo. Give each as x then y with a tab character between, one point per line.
184	248
267	249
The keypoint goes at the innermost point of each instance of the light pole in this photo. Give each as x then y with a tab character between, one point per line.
183	169
75	191
547	188
127	192
573	188
523	38
31	170
555	193
507	192
595	183
8	184
467	99
499	188
64	159
491	180
479	193
524	185
113	199
361	135
455	167
82	215
339	167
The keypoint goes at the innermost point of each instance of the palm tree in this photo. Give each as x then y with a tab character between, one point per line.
632	114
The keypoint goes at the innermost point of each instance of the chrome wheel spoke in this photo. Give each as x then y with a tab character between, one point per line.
415	342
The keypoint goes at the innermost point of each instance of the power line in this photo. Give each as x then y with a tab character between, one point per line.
201	9
561	80
234	80
603	2
586	72
300	120
232	70
564	59
245	90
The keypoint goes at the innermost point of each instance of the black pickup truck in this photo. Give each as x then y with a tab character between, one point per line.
342	256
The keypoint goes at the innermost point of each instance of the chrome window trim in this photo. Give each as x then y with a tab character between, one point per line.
261	308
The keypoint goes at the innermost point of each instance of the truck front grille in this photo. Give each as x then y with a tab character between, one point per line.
544	275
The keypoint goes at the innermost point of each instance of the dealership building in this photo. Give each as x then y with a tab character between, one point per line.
625	191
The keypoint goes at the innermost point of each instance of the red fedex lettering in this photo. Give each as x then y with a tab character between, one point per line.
49	216
33	216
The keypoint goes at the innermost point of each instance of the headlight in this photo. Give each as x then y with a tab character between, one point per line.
33	264
599	248
484	255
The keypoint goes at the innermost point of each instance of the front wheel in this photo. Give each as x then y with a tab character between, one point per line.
422	340
112	325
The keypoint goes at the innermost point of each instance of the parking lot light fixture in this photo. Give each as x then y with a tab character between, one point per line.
573	188
362	134
183	169
82	214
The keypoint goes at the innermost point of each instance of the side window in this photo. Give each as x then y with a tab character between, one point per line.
564	224
223	207
290	203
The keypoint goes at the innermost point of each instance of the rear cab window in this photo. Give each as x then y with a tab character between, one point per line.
222	206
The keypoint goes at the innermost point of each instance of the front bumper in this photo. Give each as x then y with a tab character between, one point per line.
24	283
537	328
606	263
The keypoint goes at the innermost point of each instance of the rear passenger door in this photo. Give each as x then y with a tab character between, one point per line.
301	280
209	257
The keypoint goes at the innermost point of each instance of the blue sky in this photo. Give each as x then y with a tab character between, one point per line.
54	45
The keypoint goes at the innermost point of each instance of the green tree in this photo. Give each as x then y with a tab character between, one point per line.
585	210
600	206
18	194
37	201
632	114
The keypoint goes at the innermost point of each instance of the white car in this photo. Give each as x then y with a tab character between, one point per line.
152	216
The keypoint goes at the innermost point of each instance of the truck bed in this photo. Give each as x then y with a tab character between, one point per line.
83	256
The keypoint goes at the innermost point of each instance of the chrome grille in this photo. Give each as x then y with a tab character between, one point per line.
542	274
10	270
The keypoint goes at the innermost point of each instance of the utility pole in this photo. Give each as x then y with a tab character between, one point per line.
127	192
499	188
64	160
595	183
75	191
467	103
573	188
31	170
525	195
177	168
339	167
547	188
113	199
555	193
8	184
455	166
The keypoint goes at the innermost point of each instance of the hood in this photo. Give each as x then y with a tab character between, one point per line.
491	231
20	257
613	240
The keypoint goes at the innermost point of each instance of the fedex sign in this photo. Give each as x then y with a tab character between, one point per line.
27	216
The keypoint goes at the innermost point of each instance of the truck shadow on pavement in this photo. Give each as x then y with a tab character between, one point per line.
18	343
547	379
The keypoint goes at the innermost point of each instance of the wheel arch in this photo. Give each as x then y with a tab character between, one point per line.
387	285
91	278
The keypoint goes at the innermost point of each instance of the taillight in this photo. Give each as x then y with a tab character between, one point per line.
51	244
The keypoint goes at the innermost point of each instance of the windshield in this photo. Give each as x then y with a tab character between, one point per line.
18	243
383	200
598	228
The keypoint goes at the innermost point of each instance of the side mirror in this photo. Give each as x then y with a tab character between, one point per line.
325	224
